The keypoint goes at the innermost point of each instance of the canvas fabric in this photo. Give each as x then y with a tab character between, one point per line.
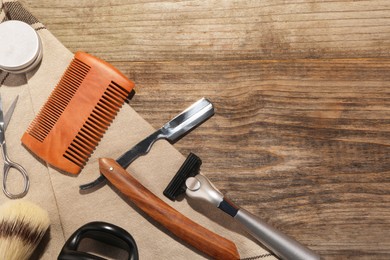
59	193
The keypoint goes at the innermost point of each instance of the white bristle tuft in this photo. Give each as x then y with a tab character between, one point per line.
22	226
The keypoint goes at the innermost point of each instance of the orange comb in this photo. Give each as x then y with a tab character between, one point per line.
77	113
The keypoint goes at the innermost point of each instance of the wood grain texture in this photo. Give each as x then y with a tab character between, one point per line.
301	90
184	228
142	30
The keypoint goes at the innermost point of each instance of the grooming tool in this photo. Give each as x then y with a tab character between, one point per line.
22	226
197	186
171	131
111	237
20	47
77	113
192	233
8	164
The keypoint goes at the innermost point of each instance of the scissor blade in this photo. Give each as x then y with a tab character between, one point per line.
8	114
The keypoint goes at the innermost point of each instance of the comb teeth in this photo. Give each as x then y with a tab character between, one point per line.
96	125
190	168
58	100
77	113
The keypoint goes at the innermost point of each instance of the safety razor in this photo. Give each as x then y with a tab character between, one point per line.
188	180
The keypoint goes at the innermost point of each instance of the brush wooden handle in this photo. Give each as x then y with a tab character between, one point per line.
192	233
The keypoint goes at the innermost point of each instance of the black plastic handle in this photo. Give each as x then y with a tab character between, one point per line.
98	231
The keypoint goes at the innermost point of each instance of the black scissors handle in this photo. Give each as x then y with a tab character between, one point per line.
99	231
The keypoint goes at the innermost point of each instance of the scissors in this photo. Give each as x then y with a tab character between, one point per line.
8	164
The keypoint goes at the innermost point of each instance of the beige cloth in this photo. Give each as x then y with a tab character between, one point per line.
59	193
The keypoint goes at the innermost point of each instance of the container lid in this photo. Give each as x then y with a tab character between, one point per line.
20	47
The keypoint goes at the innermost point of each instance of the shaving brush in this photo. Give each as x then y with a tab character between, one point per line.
22	226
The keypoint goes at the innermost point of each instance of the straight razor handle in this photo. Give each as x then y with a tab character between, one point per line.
184	228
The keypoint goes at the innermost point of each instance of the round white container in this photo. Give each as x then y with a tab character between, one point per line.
20	47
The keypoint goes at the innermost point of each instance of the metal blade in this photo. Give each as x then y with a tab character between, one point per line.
188	119
139	149
8	114
177	127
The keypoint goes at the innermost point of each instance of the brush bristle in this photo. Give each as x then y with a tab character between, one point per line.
22	226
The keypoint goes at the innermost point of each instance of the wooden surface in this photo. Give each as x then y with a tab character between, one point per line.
301	88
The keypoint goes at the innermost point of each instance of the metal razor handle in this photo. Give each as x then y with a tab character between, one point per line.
199	187
279	243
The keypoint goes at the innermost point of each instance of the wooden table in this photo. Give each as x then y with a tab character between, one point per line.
301	89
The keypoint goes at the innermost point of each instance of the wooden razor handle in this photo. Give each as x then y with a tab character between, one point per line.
184	228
